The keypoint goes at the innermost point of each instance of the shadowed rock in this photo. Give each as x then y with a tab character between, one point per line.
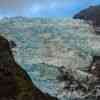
91	14
15	84
95	66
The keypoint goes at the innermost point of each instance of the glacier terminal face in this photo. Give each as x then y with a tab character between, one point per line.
46	44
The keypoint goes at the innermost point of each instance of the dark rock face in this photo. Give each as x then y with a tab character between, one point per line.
95	66
15	84
90	14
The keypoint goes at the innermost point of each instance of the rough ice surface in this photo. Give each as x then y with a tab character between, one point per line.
45	44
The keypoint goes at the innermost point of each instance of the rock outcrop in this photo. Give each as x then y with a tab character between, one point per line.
15	84
95	67
92	15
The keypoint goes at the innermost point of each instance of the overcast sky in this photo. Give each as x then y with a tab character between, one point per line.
43	7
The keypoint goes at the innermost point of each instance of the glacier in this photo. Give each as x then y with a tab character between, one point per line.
46	44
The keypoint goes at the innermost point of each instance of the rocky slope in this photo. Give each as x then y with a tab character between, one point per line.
15	83
91	15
